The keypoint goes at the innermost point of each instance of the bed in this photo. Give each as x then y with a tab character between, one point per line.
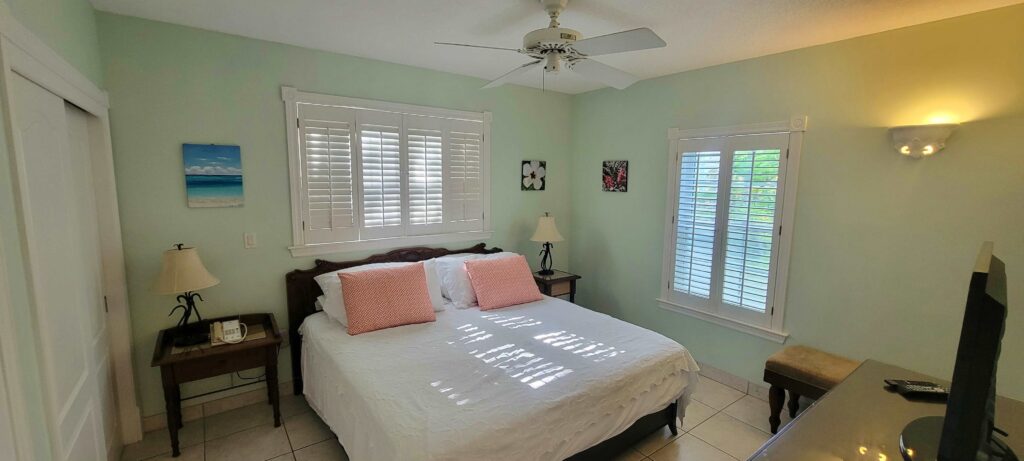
546	380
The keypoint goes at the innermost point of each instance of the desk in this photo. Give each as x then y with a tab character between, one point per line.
860	412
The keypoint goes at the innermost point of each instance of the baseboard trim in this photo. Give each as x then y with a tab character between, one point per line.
756	390
192	411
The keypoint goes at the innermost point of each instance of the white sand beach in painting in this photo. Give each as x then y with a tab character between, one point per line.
214	202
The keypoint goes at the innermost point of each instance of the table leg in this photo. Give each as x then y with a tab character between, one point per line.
172	405
776	396
272	387
572	291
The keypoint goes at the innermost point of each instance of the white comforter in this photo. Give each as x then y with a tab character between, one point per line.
538	381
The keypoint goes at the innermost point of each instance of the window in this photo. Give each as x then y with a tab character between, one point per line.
728	226
370	174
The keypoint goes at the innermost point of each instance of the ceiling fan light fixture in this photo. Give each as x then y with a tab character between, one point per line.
554	47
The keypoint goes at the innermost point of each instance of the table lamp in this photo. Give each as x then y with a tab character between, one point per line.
547	233
183	272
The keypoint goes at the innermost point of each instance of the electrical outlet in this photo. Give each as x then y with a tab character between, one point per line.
249	239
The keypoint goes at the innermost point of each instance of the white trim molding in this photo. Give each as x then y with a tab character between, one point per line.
10	371
794	125
771	326
25	54
761	332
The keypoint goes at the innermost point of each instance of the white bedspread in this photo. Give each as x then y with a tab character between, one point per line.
539	381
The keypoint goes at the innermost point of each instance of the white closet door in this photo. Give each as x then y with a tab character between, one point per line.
65	267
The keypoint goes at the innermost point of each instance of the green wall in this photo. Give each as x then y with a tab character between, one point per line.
69	27
883	245
170	85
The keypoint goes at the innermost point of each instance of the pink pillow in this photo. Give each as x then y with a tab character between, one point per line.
385	298
502	282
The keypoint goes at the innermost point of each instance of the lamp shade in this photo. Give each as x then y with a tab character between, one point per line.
546	231
182	271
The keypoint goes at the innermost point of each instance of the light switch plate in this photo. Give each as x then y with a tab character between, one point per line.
249	239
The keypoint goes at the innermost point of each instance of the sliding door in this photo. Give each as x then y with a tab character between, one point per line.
66	270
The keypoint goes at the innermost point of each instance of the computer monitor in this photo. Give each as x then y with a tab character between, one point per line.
967	432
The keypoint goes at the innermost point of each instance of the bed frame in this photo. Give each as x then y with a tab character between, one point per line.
302	294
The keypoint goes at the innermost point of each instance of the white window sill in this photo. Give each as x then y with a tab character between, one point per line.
396	242
759	331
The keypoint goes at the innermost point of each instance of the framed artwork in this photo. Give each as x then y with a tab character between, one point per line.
534	175
213	175
615	175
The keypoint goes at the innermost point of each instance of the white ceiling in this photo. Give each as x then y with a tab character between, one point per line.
699	33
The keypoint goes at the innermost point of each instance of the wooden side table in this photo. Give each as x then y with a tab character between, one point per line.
557	284
203	361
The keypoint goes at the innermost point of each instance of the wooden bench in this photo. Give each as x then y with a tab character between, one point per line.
803	371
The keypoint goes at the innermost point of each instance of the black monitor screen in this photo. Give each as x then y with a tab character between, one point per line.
970	412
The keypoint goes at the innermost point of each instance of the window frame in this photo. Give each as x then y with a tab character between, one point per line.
772	327
299	248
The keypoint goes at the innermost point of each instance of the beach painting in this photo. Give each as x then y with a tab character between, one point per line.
213	175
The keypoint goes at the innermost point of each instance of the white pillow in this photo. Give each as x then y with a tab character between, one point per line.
455	280
434	284
334	301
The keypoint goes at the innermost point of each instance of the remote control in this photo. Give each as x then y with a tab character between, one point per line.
917	388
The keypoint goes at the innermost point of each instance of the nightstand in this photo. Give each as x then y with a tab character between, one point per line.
557	284
181	365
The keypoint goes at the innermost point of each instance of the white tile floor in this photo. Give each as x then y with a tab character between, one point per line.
722	424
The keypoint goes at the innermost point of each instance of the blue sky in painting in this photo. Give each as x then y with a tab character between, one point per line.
210	159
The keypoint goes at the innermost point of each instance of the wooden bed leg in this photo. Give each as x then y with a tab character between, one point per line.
776	397
673	410
297	386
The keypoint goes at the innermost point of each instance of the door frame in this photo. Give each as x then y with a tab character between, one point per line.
23	53
9	368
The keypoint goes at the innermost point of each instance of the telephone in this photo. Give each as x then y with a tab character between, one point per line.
229	332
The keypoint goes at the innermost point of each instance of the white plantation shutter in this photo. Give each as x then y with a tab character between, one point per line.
370	174
424	137
727	213
464	165
696	221
380	174
751	230
328	199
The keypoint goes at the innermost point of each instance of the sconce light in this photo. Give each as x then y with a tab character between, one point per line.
920	140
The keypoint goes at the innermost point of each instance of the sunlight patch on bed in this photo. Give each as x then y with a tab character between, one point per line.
515	361
594	350
511	322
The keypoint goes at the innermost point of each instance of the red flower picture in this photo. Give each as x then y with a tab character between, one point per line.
615	175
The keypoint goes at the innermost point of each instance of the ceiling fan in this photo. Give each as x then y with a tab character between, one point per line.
555	47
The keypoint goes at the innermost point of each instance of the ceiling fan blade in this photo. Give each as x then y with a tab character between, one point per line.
604	73
512	74
477	46
630	40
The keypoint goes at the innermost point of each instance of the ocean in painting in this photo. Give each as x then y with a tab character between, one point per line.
213	175
214	190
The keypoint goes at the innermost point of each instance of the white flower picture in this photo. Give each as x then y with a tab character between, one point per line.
534	174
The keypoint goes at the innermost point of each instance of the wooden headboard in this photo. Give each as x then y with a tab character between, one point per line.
303	290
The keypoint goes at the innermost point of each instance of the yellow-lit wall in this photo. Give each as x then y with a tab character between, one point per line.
883	245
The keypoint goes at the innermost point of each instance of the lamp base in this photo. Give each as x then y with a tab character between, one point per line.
545	260
192	334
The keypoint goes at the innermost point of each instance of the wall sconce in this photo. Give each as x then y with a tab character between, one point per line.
920	140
